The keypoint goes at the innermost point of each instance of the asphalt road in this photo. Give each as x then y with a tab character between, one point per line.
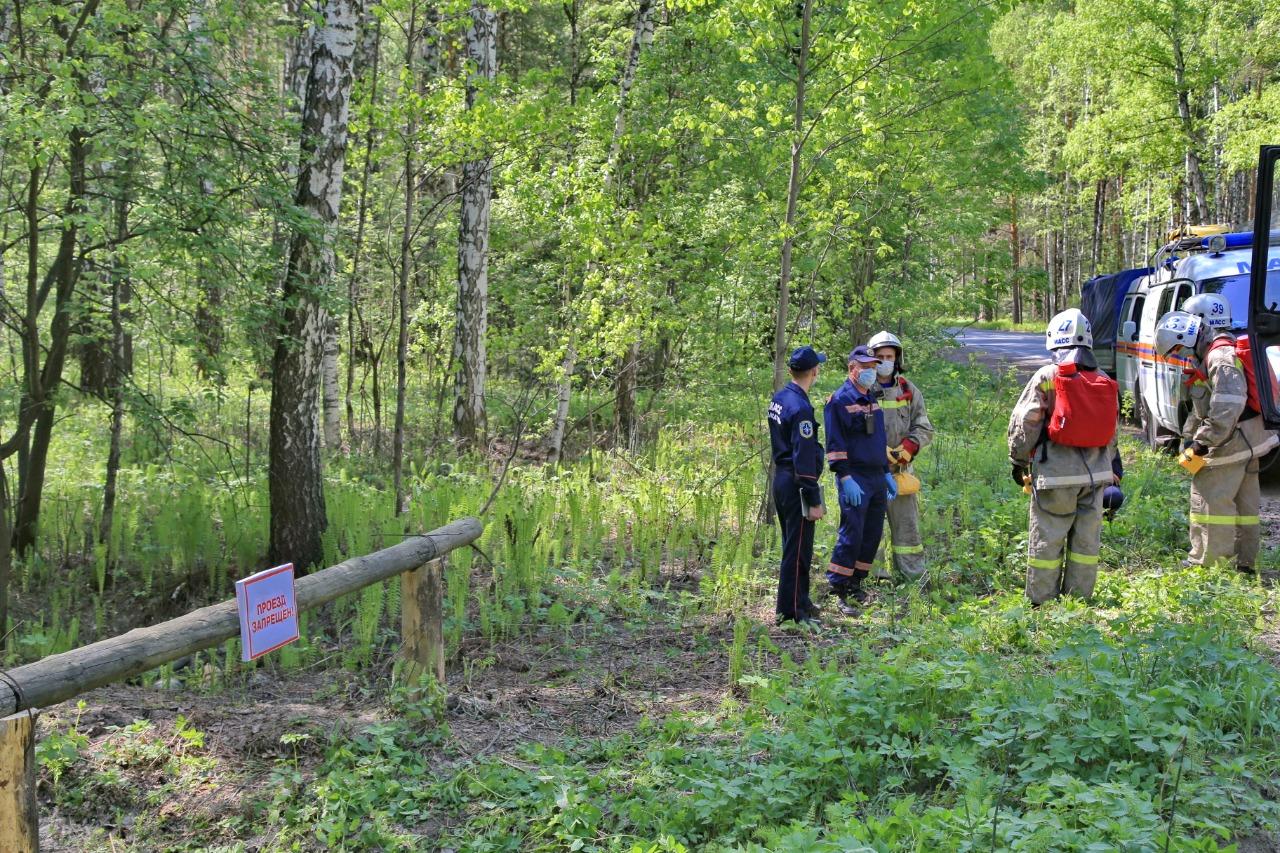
1023	350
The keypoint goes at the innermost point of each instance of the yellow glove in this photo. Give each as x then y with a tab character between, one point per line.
1192	462
899	455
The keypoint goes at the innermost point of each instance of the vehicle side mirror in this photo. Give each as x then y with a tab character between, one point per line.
1130	330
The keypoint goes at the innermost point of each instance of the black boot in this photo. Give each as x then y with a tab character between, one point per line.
844	606
856	592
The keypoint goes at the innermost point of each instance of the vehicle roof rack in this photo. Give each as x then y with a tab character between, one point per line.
1189	238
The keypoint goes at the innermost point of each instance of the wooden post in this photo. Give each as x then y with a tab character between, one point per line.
19	815
422	621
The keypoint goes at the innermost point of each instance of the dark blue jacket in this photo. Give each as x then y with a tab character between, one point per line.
852	448
793	432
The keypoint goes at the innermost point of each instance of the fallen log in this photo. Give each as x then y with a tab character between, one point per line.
60	677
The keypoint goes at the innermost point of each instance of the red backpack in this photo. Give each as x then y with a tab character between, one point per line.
1085	407
1244	354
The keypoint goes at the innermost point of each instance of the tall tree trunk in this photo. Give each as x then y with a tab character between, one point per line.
118	369
626	381
6	552
210	334
366	70
1195	174
117	425
1015	248
329	382
406	260
1099	220
793	196
43	381
473	246
624	422
295	475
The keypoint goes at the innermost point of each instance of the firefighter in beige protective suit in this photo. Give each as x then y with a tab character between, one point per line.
1062	447
908	431
1223	436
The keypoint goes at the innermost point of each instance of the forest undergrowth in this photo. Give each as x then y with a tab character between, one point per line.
661	710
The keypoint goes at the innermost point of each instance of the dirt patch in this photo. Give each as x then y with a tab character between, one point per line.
588	680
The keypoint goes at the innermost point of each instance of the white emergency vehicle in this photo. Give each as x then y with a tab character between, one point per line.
1151	386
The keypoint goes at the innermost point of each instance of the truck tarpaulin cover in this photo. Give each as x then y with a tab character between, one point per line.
1100	299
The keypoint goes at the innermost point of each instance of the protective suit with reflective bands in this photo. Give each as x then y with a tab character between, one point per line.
908	431
1223	434
1067	483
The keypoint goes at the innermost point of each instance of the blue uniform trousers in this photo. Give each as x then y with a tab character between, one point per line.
860	530
797	548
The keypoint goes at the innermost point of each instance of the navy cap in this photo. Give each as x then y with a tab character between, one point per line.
863	355
1112	498
805	358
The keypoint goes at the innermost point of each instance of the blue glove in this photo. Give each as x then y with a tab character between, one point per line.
892	485
850	492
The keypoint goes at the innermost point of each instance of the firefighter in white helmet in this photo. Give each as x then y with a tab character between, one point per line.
1062	444
1223	437
908	430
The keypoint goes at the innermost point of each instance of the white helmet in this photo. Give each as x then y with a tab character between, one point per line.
1177	328
1069	328
1210	307
885	339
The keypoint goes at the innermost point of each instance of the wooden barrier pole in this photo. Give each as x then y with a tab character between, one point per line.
59	677
19	814
422	621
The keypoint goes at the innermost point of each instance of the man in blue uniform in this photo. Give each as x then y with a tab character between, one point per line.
797	459
858	455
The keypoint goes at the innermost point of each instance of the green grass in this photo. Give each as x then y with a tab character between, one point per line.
1002	325
949	720
961	719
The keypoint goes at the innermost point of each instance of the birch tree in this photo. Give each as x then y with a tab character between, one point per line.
473	244
296	481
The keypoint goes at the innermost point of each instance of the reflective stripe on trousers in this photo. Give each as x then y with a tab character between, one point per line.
1224	514
1063	540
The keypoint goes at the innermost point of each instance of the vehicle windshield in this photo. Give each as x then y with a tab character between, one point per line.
1235	289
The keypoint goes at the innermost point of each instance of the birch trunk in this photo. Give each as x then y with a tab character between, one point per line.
332	392
473	246
296	481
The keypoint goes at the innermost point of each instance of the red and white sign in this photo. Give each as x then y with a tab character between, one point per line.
268	611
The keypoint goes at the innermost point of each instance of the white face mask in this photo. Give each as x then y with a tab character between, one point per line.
866	377
885	369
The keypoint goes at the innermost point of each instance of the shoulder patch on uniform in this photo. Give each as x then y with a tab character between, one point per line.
806	429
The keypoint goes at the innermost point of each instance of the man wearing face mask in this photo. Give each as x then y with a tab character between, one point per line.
1224	437
1062	445
907	430
858	454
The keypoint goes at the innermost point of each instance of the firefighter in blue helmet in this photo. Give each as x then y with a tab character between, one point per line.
797	458
858	454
